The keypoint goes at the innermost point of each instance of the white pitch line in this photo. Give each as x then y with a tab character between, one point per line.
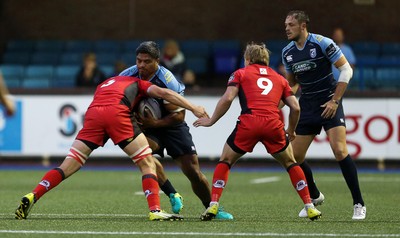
76	215
266	180
361	179
270	234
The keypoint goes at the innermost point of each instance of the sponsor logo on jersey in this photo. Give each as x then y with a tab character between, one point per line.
319	38
330	50
301	185
168	77
219	184
45	184
231	77
263	71
289	58
303	66
313	52
147	193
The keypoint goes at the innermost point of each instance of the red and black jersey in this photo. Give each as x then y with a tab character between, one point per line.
120	90
260	89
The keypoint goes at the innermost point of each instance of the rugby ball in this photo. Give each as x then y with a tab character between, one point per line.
151	105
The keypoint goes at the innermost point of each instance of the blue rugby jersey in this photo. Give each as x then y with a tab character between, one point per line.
162	78
312	65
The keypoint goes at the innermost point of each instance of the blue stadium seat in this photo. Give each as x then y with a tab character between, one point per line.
130	46
366	47
225	64
12	75
39	71
105	46
367	60
199	65
12	71
69	58
20	46
49	46
108	58
389	61
276	46
274	60
64	76
12	82
108	70
22	58
128	58
390	49
78	46
36	83
226	55
388	77
367	76
195	48
44	58
226	47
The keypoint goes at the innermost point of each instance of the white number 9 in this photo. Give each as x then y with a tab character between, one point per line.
267	87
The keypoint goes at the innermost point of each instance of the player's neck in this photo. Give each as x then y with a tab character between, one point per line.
302	40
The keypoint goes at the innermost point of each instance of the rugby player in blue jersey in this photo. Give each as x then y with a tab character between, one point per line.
171	131
308	59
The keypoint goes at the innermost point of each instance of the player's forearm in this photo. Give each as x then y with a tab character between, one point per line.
177	99
220	110
171	120
339	92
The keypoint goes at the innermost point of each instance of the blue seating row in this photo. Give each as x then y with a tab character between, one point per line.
44	76
376	63
221	57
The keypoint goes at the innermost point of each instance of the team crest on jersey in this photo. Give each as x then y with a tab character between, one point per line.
313	53
289	58
263	71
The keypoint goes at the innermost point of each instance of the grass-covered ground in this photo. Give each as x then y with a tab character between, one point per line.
108	203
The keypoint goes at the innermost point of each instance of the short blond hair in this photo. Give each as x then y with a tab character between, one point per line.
257	53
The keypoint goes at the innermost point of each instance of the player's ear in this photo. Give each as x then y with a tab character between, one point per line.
303	26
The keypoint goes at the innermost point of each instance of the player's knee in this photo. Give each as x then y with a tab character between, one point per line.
143	153
77	155
340	154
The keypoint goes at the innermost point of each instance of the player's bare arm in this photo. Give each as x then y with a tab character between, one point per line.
222	107
346	73
175	98
294	116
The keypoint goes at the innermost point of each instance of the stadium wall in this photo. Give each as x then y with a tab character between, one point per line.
47	125
179	19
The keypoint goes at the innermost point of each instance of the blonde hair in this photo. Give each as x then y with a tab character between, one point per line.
257	53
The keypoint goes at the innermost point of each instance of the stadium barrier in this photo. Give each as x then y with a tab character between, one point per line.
47	125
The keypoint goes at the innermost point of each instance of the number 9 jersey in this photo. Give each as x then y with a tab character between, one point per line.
260	89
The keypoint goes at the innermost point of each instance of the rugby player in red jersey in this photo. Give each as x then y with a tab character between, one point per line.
110	116
260	89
